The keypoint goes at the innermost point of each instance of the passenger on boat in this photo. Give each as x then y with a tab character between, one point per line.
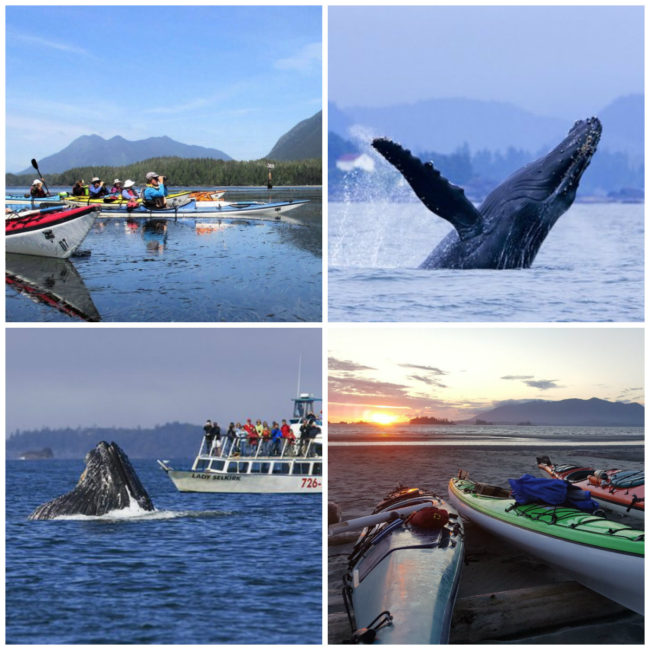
241	439
117	187
153	195
266	439
79	189
97	188
253	440
216	438
276	437
36	191
288	435
229	441
207	430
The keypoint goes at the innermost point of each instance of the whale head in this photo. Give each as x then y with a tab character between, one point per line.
524	208
107	483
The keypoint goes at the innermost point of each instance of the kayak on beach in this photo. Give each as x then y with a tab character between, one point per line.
404	571
604	555
621	491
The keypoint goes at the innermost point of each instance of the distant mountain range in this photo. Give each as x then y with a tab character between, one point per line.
444	125
89	150
569	412
303	141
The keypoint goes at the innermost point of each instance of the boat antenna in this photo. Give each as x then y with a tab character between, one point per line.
299	372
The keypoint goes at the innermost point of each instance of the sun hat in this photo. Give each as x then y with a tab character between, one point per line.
96	179
116	181
128	183
37	181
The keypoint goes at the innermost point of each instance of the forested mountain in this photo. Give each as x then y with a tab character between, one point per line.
303	141
93	150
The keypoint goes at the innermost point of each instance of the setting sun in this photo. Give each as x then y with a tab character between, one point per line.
383	418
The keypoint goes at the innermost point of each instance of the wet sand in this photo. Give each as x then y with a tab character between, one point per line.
360	476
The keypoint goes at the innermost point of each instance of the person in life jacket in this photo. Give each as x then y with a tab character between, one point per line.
97	188
117	187
130	195
155	192
79	189
36	191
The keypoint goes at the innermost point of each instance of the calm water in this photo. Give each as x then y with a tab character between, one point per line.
203	569
179	271
590	268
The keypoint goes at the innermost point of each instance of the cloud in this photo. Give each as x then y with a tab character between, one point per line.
51	44
345	366
308	58
430	381
542	384
432	369
516	377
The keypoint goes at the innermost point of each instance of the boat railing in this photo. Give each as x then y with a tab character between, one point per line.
264	448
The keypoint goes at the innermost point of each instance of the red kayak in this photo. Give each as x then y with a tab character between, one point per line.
618	490
52	232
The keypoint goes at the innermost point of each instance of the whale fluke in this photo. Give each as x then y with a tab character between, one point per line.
108	483
509	227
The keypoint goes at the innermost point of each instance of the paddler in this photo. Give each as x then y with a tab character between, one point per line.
97	188
79	188
155	192
36	191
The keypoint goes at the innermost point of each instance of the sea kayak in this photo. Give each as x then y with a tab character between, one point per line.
52	232
109	203
621	491
604	555
403	573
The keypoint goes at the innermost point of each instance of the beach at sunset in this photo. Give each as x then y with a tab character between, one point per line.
360	476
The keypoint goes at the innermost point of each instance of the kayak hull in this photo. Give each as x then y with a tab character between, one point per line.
616	574
49	233
411	573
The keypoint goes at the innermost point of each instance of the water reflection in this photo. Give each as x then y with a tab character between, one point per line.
52	282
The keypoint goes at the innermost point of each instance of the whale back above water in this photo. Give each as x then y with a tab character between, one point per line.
509	227
108	483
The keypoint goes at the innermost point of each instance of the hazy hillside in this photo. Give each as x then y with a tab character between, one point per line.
568	412
303	141
172	440
91	150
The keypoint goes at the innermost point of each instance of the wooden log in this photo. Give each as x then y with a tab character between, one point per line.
521	612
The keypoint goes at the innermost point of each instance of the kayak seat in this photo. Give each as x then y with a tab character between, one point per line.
492	491
579	475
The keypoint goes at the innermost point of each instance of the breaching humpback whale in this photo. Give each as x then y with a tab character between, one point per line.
507	230
108	483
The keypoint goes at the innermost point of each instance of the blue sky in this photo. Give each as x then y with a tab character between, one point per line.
554	61
61	377
234	78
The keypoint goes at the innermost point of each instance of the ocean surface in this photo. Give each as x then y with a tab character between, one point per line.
164	271
203	568
589	268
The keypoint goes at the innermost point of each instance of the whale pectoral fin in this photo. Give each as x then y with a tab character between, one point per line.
436	192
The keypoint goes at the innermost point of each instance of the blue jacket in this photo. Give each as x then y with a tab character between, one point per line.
151	192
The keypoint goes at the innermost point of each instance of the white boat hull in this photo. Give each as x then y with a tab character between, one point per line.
617	576
189	481
58	240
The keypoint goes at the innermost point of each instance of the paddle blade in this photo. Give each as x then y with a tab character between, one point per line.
34	164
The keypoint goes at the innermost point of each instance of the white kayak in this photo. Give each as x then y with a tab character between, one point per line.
404	571
51	232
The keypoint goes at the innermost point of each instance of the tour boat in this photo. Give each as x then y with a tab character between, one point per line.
234	467
52	232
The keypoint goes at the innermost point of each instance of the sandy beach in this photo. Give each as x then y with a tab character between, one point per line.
360	476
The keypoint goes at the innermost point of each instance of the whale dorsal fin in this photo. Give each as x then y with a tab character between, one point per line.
436	192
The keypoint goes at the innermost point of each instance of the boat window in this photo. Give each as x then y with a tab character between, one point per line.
260	468
281	468
217	464
317	470
300	468
232	468
243	468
